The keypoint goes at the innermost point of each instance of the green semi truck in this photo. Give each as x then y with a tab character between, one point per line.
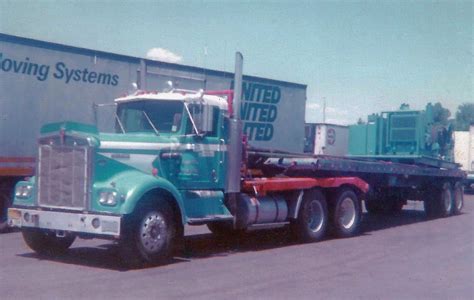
179	157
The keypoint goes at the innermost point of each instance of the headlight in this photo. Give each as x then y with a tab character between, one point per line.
23	191
108	198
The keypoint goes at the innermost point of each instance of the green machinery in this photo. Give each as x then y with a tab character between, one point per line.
401	135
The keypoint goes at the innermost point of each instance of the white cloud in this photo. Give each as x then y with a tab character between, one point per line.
162	54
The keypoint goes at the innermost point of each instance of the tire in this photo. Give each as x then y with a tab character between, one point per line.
311	224
458	198
149	236
346	213
47	243
445	201
224	229
440	202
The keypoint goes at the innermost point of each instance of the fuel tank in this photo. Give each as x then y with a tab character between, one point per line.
261	210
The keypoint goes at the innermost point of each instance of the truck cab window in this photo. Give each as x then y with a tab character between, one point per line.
197	114
142	116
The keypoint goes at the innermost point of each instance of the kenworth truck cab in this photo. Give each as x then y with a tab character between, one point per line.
169	147
179	157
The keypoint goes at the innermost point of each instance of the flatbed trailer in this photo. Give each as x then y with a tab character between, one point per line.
391	182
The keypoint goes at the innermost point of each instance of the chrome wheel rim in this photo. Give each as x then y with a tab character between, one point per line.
347	213
314	215
447	201
153	231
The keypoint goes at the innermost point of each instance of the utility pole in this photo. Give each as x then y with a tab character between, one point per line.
324	109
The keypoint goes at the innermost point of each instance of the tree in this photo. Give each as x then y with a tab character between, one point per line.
464	116
440	114
360	121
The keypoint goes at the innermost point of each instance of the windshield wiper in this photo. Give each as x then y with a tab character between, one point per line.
191	118
151	123
119	122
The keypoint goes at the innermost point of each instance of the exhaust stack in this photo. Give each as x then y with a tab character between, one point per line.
235	132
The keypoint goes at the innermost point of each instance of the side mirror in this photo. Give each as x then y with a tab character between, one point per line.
202	118
207	123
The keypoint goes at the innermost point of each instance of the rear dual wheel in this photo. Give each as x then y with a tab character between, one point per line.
312	221
346	213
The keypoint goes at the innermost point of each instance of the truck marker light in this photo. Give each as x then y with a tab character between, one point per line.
154	172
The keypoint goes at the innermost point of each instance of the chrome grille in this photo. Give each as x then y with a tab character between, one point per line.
63	173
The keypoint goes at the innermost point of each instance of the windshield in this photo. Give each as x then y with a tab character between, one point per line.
163	116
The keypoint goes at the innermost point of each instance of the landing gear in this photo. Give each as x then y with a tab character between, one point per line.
387	206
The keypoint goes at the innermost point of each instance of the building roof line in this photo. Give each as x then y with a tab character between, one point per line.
132	59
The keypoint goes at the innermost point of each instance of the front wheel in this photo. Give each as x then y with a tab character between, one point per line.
346	213
311	224
150	237
47	243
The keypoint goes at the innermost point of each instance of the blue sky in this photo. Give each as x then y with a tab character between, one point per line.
361	56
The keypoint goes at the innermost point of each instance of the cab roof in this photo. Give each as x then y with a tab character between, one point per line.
175	95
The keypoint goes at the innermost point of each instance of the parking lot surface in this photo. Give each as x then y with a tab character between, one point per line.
395	257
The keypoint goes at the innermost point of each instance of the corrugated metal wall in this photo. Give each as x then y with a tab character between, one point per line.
43	82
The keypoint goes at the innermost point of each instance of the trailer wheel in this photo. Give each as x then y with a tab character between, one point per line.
439	203
445	201
46	243
149	236
311	224
458	194
346	213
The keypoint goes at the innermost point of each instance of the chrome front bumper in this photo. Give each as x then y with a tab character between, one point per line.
65	221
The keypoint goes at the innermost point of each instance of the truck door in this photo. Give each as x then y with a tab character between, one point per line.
202	155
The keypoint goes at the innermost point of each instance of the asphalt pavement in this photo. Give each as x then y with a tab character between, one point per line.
396	257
